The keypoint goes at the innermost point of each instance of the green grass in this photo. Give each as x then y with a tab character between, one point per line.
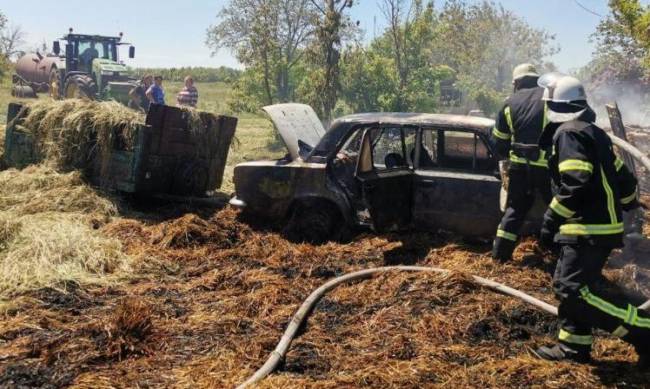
255	137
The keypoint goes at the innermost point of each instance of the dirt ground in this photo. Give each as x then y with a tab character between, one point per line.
210	297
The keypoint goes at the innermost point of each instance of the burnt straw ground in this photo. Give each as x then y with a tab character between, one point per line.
210	298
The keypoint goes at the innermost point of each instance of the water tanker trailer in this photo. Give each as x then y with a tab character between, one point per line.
89	67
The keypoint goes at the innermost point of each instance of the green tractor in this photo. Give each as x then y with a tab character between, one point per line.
91	69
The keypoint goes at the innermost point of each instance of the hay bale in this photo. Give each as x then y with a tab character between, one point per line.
69	133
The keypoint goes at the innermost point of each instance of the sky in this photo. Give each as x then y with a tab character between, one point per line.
172	33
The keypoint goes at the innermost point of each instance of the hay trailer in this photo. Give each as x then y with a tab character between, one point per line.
169	155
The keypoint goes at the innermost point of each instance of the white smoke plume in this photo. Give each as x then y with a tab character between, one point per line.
632	100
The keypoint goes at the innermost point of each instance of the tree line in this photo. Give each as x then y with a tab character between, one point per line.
459	54
199	74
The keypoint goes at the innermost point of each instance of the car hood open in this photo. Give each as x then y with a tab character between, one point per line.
298	126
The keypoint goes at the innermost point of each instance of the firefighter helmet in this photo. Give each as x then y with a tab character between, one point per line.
566	99
549	79
567	89
524	70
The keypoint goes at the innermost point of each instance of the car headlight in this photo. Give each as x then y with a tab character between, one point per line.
109	73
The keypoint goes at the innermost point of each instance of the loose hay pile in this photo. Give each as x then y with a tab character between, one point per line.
48	232
218	295
70	133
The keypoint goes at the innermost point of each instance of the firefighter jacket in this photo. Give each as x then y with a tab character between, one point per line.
591	185
519	126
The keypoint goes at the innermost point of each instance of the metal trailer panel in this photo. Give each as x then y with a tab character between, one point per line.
167	156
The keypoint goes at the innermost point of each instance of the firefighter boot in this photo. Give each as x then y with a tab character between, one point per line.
643	363
562	352
502	249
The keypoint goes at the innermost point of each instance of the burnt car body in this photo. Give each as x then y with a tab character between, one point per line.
386	171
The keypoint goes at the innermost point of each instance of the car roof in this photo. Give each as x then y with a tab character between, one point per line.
419	119
342	126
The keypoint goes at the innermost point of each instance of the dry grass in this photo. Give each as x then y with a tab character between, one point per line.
38	189
218	295
210	297
48	232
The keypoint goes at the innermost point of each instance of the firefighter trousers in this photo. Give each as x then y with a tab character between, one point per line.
586	302
526	183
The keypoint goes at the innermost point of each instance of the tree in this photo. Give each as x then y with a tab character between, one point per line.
620	69
482	42
3	59
622	54
474	46
331	27
12	38
267	36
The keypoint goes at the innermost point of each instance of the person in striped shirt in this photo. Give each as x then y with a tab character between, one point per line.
189	95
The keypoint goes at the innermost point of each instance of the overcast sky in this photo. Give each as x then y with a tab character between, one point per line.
172	33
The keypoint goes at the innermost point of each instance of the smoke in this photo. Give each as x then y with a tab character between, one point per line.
633	100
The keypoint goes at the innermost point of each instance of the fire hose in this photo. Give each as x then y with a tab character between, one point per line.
305	309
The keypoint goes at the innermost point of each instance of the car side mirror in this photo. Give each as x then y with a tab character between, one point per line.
131	51
56	47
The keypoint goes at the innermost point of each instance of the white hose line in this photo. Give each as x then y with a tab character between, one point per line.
645	161
306	307
645	305
634	152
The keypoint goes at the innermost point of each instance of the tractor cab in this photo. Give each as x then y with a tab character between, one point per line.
92	67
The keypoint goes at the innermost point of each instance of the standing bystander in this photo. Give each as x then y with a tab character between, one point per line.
155	93
138	95
189	95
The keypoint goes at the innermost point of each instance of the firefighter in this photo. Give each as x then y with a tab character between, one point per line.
516	134
592	187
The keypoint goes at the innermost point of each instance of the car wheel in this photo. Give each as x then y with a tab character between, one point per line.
312	223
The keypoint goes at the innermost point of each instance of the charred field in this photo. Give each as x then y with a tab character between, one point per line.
100	292
207	298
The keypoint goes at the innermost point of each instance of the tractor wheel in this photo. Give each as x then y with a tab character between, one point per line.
54	88
80	87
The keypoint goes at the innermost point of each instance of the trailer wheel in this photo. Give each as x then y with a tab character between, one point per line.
54	87
312	222
79	87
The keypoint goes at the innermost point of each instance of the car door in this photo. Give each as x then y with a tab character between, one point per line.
455	186
385	176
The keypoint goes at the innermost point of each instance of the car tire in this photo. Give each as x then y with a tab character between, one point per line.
316	223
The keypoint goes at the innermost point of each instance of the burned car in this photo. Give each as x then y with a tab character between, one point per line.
386	171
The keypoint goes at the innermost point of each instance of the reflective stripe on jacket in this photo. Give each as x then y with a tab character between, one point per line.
591	185
521	120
